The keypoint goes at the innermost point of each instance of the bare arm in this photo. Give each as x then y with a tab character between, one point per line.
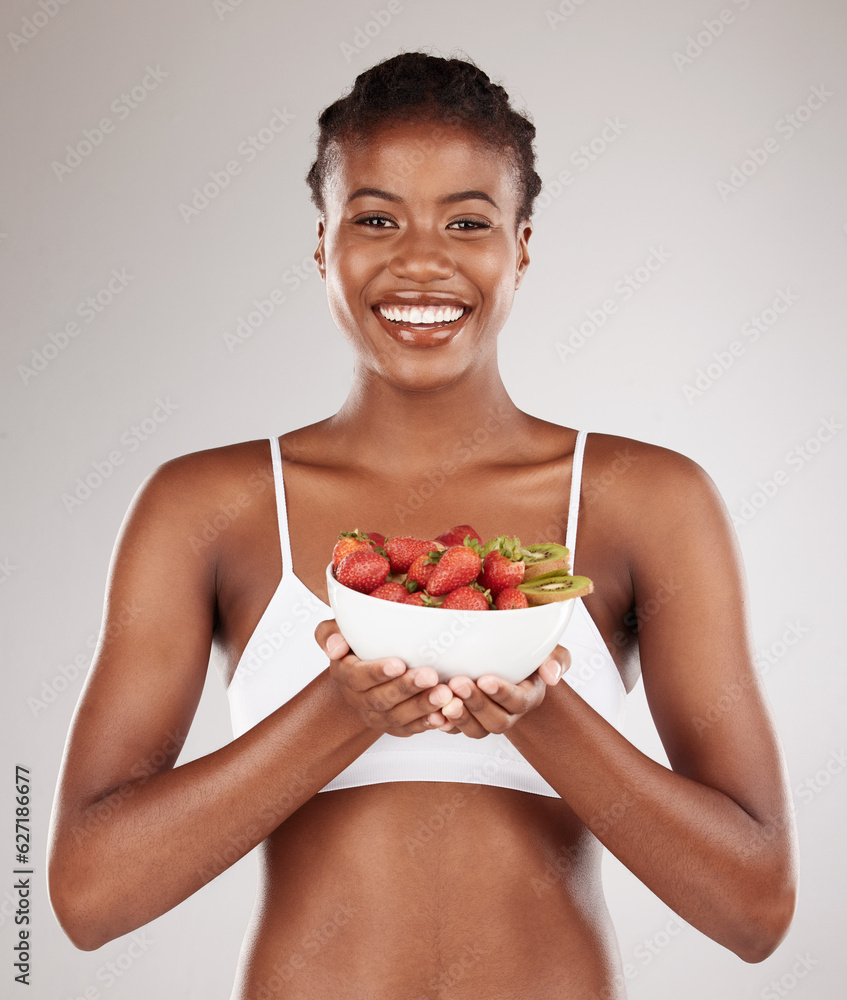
132	835
714	837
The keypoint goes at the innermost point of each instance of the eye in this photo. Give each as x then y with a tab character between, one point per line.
466	224
374	221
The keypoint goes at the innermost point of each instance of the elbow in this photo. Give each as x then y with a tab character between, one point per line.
766	927
73	910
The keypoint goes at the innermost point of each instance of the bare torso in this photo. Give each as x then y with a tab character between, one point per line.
423	889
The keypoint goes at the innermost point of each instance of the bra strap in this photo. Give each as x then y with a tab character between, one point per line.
282	516
573	507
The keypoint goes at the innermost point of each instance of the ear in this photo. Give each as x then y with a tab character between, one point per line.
319	251
522	261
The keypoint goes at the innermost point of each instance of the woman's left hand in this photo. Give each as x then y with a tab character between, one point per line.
492	705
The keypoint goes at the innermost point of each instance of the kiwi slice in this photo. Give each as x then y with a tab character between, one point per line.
556	586
544	557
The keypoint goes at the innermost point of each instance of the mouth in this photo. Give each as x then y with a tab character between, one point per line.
422	323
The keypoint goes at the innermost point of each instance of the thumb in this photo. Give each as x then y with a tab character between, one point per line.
556	664
329	638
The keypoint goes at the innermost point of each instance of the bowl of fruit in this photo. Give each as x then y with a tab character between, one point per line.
456	603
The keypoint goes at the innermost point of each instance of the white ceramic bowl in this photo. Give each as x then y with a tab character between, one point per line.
508	644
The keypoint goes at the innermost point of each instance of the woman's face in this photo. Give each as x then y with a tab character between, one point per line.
420	251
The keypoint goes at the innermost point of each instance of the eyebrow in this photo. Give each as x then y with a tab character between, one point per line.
448	199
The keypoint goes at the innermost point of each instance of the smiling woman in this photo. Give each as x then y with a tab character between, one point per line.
417	836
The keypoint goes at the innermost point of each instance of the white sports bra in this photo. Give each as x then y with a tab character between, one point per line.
282	657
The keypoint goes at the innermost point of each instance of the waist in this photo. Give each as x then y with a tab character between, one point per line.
417	889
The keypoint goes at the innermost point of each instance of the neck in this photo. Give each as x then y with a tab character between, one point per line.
410	431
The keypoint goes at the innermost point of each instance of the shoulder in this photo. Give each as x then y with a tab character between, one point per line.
609	458
648	493
191	492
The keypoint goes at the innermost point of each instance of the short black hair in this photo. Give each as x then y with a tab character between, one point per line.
417	87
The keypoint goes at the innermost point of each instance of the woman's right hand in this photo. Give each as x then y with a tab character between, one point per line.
386	694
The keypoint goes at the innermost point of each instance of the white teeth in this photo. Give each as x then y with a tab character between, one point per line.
423	315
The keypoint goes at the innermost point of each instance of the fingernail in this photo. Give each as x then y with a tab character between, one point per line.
335	646
393	668
556	667
488	685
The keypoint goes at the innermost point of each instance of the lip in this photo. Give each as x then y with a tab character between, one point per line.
425	336
409	297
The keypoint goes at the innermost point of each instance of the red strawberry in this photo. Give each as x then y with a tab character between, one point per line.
350	541
421	570
403	551
500	572
509	599
391	591
456	567
456	536
363	570
466	599
422	599
377	538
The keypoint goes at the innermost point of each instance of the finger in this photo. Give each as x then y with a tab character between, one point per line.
462	720
515	699
424	707
328	636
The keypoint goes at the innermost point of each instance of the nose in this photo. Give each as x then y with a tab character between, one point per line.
421	256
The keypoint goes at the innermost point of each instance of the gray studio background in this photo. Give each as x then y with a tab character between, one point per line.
690	157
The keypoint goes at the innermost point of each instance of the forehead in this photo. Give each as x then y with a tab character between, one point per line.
422	161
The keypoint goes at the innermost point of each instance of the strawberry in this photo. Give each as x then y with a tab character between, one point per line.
422	599
457	535
421	570
456	567
466	599
403	551
500	572
391	591
363	570
509	598
350	541
376	538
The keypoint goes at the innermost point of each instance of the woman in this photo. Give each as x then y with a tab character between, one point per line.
417	836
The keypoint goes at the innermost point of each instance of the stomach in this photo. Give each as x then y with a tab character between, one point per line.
420	890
